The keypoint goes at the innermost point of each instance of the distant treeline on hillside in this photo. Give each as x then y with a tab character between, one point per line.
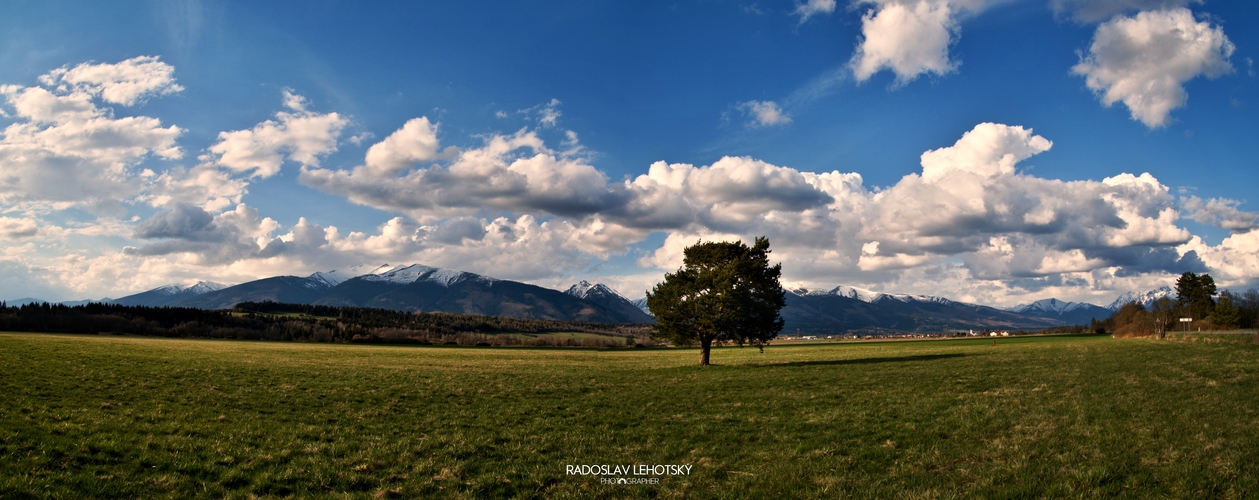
298	322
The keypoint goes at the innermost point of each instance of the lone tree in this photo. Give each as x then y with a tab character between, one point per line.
724	292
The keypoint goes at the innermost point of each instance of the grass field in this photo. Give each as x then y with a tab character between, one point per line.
1093	417
559	338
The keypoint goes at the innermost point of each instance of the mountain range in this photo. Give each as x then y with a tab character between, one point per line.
417	288
410	288
1068	313
846	308
164	295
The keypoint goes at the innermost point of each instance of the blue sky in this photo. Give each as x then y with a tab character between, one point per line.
517	140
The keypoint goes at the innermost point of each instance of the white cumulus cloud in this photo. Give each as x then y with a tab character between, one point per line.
522	247
516	172
230	236
988	150
970	201
12	228
297	135
1145	60
204	185
1220	212
765	113
126	83
731	191
909	37
1235	259
415	142
64	149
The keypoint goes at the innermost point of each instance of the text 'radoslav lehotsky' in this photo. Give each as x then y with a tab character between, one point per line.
629	470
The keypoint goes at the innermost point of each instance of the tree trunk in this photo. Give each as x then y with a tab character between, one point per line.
704	347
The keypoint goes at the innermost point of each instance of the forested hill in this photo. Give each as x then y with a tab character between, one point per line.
299	322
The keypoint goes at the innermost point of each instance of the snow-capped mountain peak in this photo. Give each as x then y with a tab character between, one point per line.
337	276
584	289
406	275
1144	298
868	296
171	289
579	289
197	288
608	298
204	287
1048	305
853	292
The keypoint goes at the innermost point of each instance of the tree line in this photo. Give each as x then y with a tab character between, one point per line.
1196	300
296	322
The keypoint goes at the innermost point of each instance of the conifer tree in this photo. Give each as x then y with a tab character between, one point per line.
724	292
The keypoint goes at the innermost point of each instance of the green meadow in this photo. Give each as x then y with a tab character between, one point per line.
1087	417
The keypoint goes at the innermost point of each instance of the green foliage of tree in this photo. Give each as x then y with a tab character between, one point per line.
724	292
1226	315
1195	293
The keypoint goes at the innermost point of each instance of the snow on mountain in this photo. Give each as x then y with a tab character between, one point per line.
197	288
641	304
416	272
856	293
609	299
867	296
168	289
169	294
1049	306
337	276
584	290
1145	298
1073	313
204	287
580	289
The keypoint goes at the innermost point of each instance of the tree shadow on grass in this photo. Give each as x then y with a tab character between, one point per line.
866	361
